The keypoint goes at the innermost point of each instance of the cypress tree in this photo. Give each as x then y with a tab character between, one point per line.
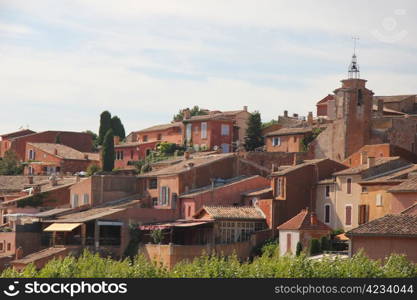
254	138
118	128
108	151
105	125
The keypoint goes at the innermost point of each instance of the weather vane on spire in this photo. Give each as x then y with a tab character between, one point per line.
354	67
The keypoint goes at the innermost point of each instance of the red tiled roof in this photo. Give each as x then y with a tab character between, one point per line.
361	168
325	99
397	98
409	185
160	127
233	212
302	221
65	152
290	131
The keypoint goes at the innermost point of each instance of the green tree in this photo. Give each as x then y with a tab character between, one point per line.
93	169
10	164
315	247
108	151
157	236
105	125
118	128
254	138
299	249
195	111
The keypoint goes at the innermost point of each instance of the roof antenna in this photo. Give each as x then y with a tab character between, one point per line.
353	72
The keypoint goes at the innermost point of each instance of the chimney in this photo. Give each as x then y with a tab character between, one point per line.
380	108
310	118
56	151
186	114
245	108
285	113
30	179
295	115
116	140
294	160
313	218
371	162
187	155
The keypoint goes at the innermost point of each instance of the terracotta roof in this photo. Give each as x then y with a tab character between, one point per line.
160	127
18	183
186	165
233	212
397	98
412	210
283	170
257	192
325	99
409	185
302	221
290	131
64	152
389	225
361	168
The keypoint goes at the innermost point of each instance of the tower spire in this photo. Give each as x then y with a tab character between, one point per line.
353	71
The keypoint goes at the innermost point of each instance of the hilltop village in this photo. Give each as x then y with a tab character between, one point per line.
345	175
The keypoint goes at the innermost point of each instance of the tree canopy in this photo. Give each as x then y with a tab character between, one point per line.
108	151
10	164
195	111
254	138
105	125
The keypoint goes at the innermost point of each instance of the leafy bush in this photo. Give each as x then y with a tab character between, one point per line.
298	249
325	244
93	169
270	248
315	247
157	236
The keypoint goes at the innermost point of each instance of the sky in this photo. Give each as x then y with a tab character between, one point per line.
63	62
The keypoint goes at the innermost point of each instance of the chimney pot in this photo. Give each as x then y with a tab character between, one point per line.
295	115
310	118
286	113
371	162
313	218
245	108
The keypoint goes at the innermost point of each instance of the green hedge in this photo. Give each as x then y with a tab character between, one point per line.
90	265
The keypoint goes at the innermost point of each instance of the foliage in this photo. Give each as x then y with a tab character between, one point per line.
195	111
145	168
6	229
118	128
93	169
90	265
270	248
10	164
298	249
325	243
32	201
157	236
168	149
105	126
315	247
267	124
254	138
108	151
309	138
135	237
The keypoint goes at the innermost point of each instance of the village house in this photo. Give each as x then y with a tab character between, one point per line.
170	133
287	139
300	229
393	233
5	139
80	141
48	159
126	154
338	197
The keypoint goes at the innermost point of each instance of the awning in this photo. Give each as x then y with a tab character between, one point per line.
162	226
62	227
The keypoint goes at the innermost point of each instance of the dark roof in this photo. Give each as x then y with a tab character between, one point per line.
397	98
232	212
186	165
364	167
390	225
302	221
22	132
160	127
290	131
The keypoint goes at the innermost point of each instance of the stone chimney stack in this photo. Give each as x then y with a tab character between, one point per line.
295	115
285	113
245	108
186	114
310	118
371	162
380	108
313	218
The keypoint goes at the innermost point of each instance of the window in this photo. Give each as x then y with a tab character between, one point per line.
119	155
32	154
9	247
131	154
360	97
145	138
164	196
288	242
154	201
363	214
31	170
159	137
349	186
378	200
225	148
188	131
189	211
364	189
1	246
225	129
75	200
327	191
295	139
327	213
348	215
279	187
204	130
86	199
153	183
276	141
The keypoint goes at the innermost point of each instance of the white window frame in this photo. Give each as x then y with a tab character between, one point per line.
204	130
188	131
330	213
378	200
74	200
225	129
276	141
